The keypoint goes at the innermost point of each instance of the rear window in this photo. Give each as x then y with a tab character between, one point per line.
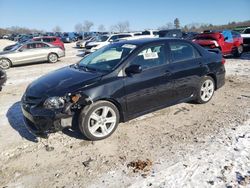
182	51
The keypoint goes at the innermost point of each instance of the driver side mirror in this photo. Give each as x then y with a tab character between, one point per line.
133	69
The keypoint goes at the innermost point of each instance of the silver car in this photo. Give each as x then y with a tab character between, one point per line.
30	52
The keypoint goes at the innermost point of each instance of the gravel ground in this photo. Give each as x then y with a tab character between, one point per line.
185	145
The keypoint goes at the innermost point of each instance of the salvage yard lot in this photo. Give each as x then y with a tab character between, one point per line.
187	144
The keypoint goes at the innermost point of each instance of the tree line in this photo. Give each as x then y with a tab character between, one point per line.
124	26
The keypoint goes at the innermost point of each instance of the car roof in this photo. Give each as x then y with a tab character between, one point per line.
145	41
34	42
42	37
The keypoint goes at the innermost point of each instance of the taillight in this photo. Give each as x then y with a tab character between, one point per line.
223	61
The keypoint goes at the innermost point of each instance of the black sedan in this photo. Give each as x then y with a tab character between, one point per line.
120	82
3	78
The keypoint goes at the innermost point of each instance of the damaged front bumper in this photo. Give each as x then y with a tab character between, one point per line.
40	122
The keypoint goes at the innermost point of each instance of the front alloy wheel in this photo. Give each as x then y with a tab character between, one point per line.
206	90
99	120
52	58
5	63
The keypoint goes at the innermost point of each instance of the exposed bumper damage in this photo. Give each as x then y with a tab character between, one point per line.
41	121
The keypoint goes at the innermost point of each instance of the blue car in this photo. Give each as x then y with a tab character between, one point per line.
69	37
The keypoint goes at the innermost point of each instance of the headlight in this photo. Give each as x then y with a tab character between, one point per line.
54	103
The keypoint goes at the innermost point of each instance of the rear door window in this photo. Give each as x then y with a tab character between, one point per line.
182	51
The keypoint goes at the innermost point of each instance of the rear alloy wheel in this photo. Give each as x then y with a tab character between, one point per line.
5	63
52	58
238	51
99	120
206	90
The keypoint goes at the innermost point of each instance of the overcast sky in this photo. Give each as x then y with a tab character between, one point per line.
142	14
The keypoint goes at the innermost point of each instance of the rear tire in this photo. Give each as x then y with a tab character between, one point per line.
5	63
52	58
238	51
99	120
206	90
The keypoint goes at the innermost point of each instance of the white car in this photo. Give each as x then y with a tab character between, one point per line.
142	35
246	36
104	40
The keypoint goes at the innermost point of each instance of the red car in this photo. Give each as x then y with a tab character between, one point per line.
227	41
52	40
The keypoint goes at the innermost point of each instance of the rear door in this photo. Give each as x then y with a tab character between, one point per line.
228	41
186	68
152	87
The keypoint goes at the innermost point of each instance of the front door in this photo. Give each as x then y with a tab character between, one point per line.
152	87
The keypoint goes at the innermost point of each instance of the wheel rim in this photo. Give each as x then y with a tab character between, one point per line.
240	49
102	121
53	58
4	63
207	90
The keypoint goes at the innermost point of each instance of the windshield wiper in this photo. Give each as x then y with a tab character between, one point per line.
87	68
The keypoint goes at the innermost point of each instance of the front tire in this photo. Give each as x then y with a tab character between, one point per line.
52	58
5	63
99	120
206	90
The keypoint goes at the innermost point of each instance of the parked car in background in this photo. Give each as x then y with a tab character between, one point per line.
189	35
245	34
52	40
30	52
25	38
139	35
227	41
69	37
6	36
82	43
120	82
104	40
171	33
3	78
153	33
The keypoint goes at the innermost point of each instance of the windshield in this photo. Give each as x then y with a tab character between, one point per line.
101	38
107	58
15	47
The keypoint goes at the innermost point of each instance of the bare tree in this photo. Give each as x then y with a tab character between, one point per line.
121	27
168	25
79	28
177	23
57	29
101	28
87	25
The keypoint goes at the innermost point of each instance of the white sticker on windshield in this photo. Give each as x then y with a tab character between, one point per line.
130	46
151	55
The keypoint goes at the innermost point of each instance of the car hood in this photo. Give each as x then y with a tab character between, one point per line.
97	43
62	81
6	52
